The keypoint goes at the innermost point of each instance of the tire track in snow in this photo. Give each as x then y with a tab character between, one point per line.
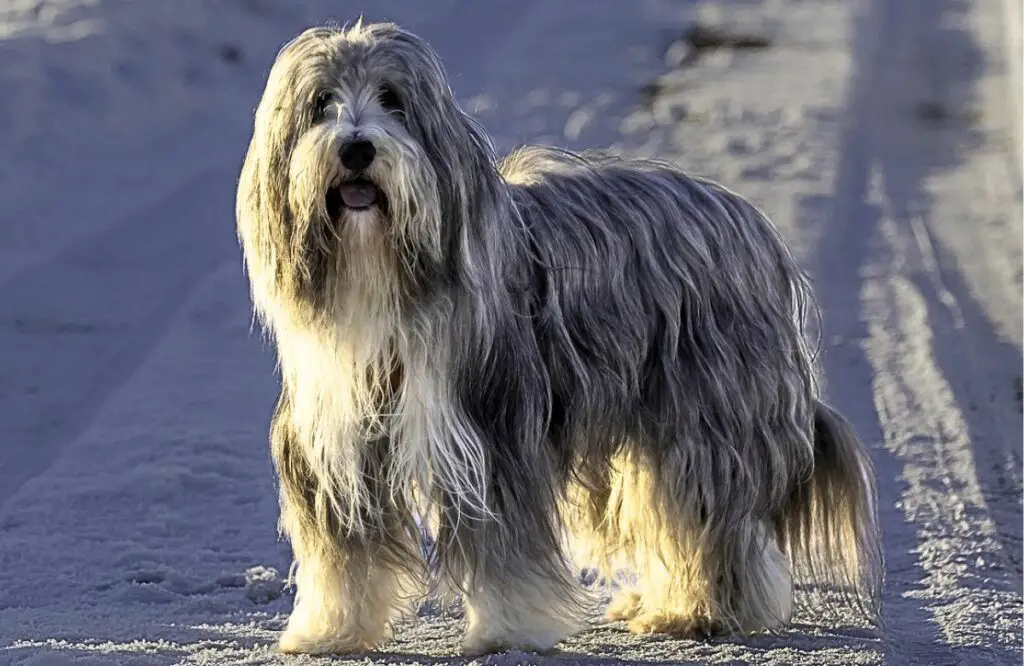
948	586
75	327
979	368
967	587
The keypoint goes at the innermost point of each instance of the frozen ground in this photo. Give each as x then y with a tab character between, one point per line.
135	486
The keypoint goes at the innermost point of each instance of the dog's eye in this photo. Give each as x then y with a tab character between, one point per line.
389	99
323	100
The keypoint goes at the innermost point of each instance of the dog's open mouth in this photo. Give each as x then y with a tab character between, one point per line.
357	194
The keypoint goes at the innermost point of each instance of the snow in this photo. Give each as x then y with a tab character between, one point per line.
137	502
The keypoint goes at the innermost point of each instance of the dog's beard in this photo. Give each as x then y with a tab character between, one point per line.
362	235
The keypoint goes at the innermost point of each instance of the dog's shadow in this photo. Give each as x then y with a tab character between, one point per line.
433	638
611	643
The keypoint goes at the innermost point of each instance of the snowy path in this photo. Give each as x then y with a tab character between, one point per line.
135	484
940	381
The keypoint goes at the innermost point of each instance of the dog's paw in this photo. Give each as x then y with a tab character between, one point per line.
680	625
295	642
540	638
477	646
626	605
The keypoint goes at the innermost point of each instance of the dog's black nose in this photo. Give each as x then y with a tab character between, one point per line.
357	154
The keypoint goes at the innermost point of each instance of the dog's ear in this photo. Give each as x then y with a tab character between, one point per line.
263	216
463	157
267	227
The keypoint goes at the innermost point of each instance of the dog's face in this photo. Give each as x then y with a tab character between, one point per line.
356	164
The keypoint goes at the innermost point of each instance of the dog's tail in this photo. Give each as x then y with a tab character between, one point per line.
829	526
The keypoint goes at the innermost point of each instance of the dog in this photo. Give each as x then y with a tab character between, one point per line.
545	358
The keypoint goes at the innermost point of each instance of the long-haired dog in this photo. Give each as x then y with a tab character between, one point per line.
527	356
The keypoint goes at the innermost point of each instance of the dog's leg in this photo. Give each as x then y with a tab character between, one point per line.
349	586
519	589
601	533
343	603
710	590
528	614
760	584
696	577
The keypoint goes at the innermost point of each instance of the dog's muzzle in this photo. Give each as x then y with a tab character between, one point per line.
357	192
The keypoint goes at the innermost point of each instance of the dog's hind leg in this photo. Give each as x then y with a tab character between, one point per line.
350	585
739	585
669	594
695	576
602	522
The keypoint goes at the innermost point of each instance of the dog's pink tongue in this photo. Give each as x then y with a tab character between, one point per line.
358	195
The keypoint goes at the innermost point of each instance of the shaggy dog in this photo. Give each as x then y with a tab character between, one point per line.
550	355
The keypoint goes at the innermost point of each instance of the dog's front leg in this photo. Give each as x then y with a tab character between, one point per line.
518	589
350	583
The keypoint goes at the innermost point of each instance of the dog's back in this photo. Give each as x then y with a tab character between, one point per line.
658	294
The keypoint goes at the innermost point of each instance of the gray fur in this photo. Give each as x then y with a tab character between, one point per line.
550	342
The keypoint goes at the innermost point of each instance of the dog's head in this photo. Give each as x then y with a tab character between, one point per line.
361	167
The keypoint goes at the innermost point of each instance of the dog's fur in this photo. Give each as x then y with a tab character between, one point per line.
507	351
